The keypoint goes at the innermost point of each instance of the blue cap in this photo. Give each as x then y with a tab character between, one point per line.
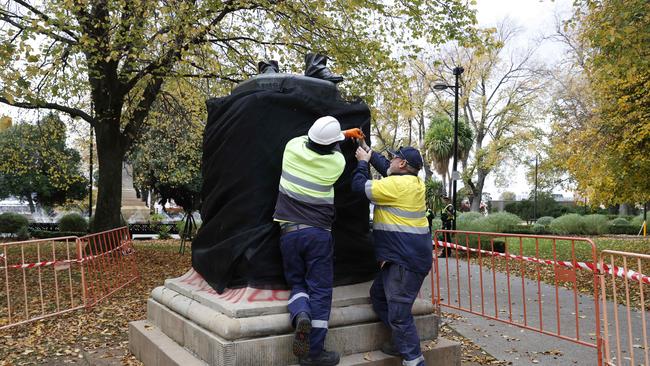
410	154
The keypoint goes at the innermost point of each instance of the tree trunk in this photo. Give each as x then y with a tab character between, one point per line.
427	171
444	182
624	209
478	191
30	201
110	155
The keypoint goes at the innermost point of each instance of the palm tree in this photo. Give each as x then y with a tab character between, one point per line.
439	145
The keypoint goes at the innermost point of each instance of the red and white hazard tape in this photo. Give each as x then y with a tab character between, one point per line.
66	261
617	271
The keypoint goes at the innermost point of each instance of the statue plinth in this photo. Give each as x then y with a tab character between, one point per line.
188	323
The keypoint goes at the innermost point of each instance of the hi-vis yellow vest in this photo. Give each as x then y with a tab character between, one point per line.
308	181
308	176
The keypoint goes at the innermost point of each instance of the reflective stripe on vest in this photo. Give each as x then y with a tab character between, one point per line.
400	228
306	198
307	184
402	213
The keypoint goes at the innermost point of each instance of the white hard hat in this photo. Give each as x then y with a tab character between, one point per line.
325	131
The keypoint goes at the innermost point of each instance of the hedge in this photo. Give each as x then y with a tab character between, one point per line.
11	223
571	224
73	222
42	234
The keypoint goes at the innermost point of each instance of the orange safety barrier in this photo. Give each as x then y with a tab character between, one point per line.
41	278
108	263
624	283
471	282
48	277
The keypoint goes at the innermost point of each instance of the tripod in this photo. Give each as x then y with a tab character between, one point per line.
188	231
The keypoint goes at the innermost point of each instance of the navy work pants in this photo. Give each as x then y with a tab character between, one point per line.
392	294
308	269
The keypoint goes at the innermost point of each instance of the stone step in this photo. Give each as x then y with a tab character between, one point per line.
150	345
153	347
273	349
442	352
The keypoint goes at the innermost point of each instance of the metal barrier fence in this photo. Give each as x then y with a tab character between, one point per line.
474	281
109	265
623	283
48	277
41	278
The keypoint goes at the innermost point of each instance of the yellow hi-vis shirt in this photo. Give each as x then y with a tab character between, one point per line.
400	227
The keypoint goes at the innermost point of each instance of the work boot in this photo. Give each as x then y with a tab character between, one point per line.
268	67
316	67
301	336
325	358
388	348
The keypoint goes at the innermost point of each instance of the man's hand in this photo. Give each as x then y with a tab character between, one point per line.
363	145
354	133
361	154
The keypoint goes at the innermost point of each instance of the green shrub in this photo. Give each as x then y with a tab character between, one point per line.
156	218
501	222
23	233
11	223
180	226
464	220
436	224
521	229
637	221
619	221
623	229
73	222
570	224
163	232
43	234
595	224
539	229
545	220
621	226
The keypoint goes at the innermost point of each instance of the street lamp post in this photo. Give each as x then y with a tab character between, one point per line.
458	70
90	193
535	211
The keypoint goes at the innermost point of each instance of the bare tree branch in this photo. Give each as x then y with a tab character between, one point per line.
74	112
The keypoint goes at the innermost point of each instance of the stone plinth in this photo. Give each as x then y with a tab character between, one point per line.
189	323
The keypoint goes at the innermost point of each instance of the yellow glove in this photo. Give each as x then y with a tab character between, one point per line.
354	133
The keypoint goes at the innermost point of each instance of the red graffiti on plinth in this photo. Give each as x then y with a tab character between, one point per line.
195	280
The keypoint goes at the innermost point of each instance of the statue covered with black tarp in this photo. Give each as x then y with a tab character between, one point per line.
238	244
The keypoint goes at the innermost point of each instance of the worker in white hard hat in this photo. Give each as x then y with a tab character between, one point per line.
305	210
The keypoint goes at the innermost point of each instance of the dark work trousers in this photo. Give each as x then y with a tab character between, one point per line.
392	294
307	260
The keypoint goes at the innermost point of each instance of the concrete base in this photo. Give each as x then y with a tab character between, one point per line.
188	323
151	346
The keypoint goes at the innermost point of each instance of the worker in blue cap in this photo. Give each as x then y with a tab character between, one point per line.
402	242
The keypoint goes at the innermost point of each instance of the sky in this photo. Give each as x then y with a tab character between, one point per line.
536	18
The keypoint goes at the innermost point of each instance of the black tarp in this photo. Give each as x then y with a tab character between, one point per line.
238	244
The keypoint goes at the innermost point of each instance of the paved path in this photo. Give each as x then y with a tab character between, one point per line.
525	347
